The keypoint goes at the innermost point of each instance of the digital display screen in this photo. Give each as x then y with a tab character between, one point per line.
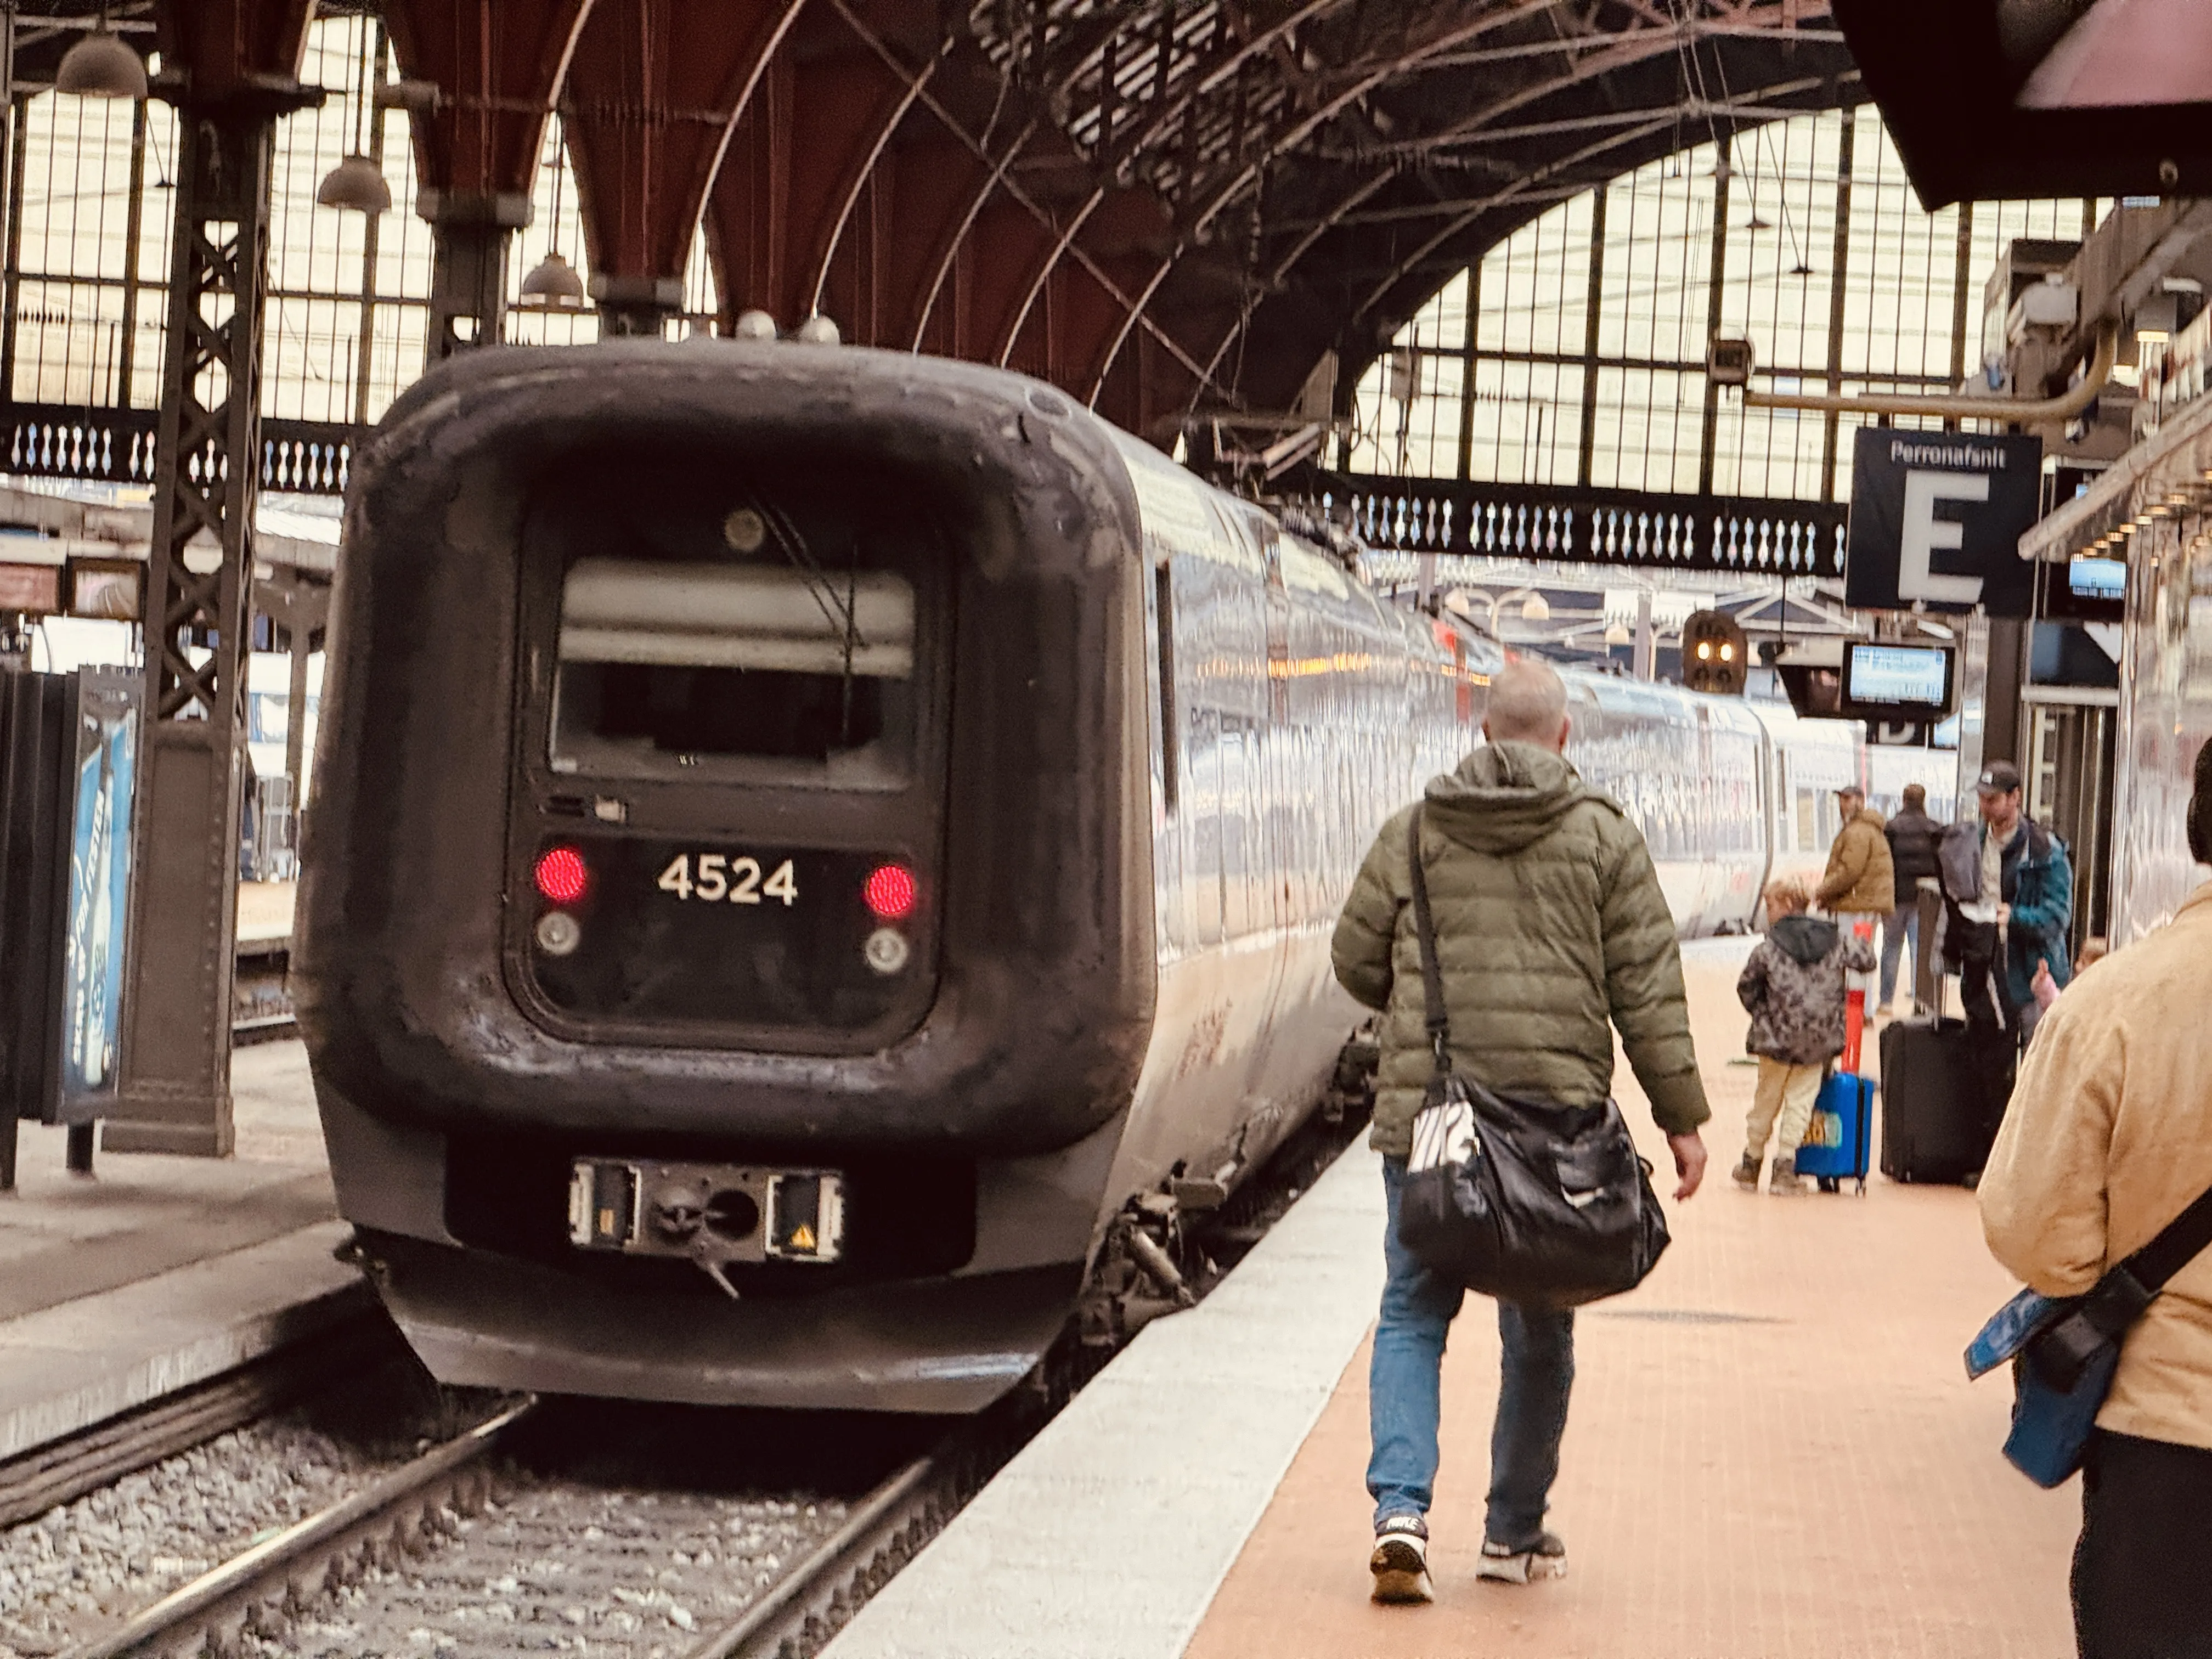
1906	679
2097	578
2104	54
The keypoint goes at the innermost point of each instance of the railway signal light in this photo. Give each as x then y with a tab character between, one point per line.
1716	657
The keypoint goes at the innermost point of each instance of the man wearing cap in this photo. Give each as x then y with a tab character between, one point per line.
2022	886
1861	879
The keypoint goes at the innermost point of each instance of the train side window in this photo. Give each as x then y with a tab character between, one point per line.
710	659
1170	759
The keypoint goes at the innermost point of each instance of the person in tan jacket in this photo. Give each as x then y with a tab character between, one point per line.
2108	1139
1862	877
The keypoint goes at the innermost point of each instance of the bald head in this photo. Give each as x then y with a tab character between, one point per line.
1528	704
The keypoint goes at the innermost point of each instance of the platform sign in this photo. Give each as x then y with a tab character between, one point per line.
1936	518
98	906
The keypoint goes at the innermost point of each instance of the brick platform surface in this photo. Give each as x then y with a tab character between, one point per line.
1773	1451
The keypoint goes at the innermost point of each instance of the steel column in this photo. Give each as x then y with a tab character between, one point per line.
1831	427
175	1086
631	305
470	234
1716	299
1593	309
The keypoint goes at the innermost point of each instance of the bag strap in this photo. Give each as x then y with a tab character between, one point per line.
1425	927
2178	1244
2119	1299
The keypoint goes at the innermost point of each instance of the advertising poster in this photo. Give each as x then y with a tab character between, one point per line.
99	899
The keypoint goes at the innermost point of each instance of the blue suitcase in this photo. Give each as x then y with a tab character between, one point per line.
1839	1140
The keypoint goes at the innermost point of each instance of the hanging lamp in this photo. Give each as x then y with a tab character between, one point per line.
356	183
99	65
553	281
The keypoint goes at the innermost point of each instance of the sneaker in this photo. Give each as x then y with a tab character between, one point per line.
1747	1173
1782	1178
1401	1561
1545	1559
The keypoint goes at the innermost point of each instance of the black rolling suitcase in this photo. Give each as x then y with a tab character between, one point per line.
1943	1090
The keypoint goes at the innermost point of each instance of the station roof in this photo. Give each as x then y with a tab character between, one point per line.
1162	205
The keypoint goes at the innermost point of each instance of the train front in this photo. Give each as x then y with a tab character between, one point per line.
726	951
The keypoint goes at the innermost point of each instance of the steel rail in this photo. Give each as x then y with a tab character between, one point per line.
38	1479
897	1515
181	1621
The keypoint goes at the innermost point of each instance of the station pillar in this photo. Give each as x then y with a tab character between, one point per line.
471	233
175	1093
632	305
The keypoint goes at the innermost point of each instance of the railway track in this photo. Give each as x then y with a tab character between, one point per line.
354	1576
57	1474
255	1590
253	1599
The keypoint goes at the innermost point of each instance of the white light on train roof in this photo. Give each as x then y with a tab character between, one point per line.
753	325
818	329
1535	609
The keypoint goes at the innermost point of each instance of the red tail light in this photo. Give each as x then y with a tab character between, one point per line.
562	875
890	891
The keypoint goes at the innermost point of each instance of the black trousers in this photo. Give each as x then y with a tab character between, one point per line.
2142	1567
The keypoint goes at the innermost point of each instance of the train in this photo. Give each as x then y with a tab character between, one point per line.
820	854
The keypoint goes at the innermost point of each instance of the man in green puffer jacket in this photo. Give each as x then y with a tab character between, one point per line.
1550	928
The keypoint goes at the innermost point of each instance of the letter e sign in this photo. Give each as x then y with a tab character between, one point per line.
1936	518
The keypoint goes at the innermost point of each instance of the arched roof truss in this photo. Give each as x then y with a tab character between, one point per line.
1161	205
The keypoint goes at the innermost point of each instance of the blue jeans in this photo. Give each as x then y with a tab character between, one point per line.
1405	1385
1900	929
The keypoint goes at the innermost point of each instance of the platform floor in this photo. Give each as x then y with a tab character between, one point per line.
1773	1454
160	1271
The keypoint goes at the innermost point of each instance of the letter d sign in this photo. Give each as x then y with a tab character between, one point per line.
1925	533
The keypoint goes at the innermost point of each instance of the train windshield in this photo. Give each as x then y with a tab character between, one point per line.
769	659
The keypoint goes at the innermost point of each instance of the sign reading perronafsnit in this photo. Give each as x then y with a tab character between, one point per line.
1936	518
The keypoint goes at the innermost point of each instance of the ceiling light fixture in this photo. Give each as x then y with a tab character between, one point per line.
553	281
100	65
356	183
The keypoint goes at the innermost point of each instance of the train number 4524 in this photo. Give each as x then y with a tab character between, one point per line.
716	876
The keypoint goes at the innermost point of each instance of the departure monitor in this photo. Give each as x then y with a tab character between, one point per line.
2085	590
2097	578
1897	682
1994	98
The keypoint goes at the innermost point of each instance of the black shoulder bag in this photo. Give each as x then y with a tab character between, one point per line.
1521	1200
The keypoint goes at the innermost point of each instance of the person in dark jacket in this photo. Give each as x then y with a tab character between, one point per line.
2011	887
1793	988
1913	836
1550	928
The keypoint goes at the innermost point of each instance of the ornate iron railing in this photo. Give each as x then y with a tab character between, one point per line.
1737	535
116	446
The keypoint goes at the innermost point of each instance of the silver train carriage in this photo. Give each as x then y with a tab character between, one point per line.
806	835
